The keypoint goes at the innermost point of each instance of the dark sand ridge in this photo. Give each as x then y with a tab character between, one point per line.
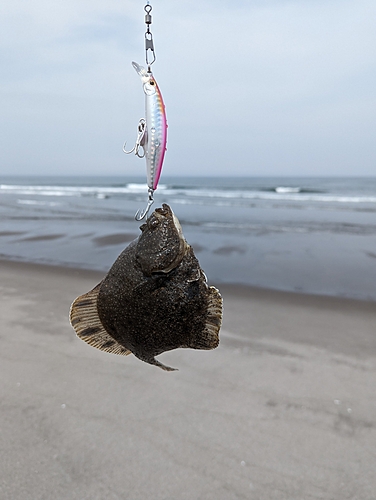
114	239
283	409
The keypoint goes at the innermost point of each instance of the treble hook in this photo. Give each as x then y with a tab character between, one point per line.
140	214
140	140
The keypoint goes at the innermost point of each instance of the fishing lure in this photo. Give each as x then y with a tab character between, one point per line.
152	130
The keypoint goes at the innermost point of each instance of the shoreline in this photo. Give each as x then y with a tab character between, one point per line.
313	237
233	286
255	314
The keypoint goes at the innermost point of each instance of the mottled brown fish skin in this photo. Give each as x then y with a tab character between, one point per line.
154	299
161	245
151	315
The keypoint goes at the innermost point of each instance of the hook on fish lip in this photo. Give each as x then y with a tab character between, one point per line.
140	214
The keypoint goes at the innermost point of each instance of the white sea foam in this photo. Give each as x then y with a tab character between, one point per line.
280	193
142	187
272	196
75	190
138	188
37	202
282	189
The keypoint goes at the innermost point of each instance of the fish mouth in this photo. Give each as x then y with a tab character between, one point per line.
183	245
180	231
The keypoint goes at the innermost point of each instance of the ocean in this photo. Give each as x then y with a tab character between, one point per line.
311	235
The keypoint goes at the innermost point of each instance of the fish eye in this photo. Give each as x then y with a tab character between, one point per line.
152	83
153	223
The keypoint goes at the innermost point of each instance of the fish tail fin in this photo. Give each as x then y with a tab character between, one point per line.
85	320
164	367
209	337
155	362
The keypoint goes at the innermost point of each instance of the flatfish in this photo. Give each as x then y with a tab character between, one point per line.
155	298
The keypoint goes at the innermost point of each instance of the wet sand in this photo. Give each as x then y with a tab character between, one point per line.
283	409
114	239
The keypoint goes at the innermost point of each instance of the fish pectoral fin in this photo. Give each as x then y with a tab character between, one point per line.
209	337
88	327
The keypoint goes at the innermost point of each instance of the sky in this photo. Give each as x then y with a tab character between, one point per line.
251	88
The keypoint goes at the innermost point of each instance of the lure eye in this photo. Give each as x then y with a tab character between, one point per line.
152	83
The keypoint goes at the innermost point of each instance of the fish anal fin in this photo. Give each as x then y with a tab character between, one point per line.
85	320
208	338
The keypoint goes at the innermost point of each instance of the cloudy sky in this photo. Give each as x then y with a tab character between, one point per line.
257	87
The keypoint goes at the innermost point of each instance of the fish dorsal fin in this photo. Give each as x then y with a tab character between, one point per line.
88	327
209	337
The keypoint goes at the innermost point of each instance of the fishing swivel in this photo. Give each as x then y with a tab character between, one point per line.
149	44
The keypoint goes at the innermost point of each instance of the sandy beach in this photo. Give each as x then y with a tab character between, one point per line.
285	408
